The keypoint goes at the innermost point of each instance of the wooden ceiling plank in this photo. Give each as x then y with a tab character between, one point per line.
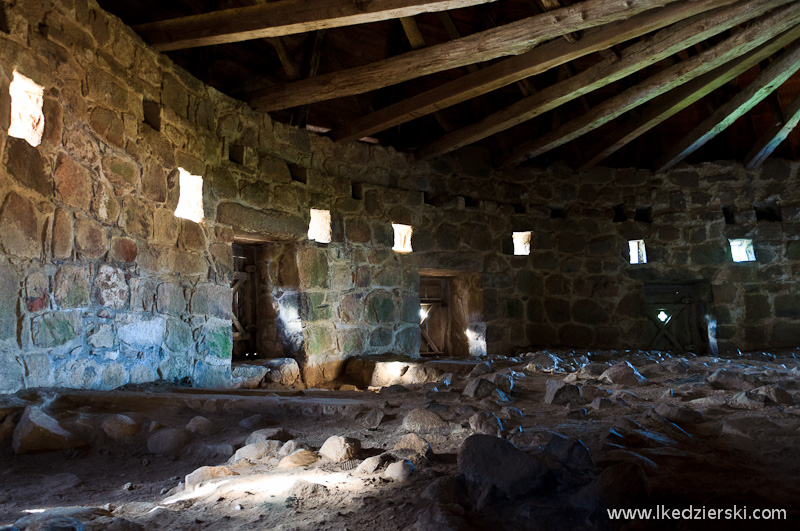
774	136
675	101
754	35
277	19
633	59
511	70
510	39
767	81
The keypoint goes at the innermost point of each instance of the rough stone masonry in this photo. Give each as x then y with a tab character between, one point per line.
102	285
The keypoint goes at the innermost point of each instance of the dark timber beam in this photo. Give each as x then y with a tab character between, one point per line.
286	17
311	65
413	34
549	5
774	136
514	69
675	101
632	59
510	39
417	41
755	34
762	86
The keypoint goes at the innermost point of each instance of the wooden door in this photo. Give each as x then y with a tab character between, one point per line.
676	317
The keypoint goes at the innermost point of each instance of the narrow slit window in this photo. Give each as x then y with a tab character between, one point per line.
638	253
522	243
402	238
27	119
190	201
319	229
742	250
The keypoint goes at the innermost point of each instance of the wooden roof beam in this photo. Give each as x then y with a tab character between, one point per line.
744	41
762	86
549	5
413	34
774	136
633	59
508	71
510	39
286	17
675	101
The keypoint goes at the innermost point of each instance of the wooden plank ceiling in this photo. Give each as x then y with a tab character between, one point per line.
643	83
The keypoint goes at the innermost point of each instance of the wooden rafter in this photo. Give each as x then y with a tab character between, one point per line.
283	56
635	58
417	41
413	34
286	17
749	38
767	81
514	69
675	101
311	65
511	39
549	5
776	134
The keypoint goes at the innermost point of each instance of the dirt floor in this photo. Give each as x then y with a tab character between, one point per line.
588	432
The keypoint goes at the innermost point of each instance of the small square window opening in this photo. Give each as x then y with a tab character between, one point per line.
522	243
402	238
319	228
638	253
190	200
27	119
742	250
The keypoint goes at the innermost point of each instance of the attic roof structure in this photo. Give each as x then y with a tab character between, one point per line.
399	264
628	84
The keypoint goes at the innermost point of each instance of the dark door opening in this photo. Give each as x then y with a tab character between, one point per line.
245	308
445	304
676	317
266	301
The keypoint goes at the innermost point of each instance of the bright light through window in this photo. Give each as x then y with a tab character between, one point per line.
424	311
522	243
742	250
662	316
319	229
402	238
27	119
638	254
190	201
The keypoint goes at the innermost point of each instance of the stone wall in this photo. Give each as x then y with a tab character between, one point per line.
585	293
102	285
105	286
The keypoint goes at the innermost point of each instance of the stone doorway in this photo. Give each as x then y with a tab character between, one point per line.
266	320
450	302
676	316
244	286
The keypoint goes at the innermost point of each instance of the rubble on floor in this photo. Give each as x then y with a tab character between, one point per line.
545	440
